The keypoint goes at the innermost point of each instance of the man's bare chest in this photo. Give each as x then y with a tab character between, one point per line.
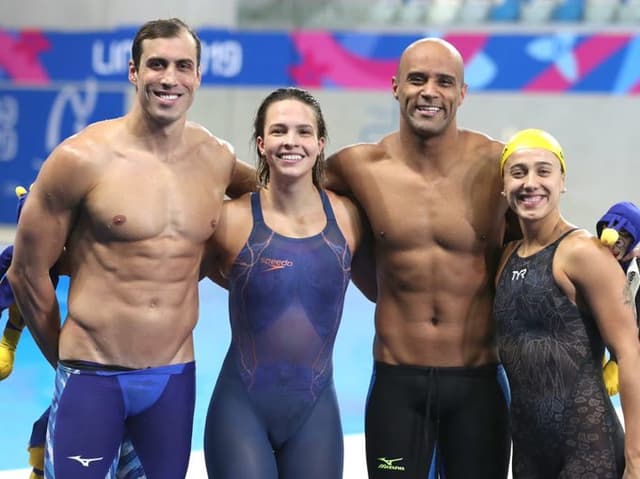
408	214
136	208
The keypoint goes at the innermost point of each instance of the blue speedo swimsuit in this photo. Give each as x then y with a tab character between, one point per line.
274	413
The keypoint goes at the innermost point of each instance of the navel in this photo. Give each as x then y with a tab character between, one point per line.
435	321
119	220
381	234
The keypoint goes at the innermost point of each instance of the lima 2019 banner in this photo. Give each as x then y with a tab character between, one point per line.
53	83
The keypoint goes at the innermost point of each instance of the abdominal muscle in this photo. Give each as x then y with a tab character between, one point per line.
436	315
140	314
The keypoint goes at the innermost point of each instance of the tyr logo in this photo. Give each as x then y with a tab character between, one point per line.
516	275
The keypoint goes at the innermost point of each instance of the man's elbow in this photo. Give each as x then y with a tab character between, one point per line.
13	277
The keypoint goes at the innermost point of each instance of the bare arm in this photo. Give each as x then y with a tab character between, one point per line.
363	264
355	228
243	180
40	238
601	285
243	176
334	179
363	268
232	232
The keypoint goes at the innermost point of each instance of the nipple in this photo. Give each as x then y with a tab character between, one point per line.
119	220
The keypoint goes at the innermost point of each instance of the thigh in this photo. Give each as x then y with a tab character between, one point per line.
593	438
474	436
236	444
399	435
161	433
316	451
85	426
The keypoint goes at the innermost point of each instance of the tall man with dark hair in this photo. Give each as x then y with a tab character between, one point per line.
132	202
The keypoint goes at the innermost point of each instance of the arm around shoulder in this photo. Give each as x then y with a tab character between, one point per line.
243	179
357	232
345	167
228	239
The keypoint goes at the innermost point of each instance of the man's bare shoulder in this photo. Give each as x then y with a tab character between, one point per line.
345	167
91	145
204	141
363	152
482	145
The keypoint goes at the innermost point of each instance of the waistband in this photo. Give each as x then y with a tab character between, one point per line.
92	368
409	370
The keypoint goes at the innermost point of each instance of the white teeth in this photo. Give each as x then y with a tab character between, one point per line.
530	200
291	157
168	97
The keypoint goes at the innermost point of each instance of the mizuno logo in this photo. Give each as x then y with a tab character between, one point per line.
388	464
273	264
86	462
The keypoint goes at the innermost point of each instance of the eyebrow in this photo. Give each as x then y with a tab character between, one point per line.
537	163
166	60
298	125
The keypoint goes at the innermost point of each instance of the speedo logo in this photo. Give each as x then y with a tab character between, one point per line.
390	464
273	263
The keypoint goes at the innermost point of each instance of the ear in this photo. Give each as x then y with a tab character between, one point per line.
563	184
394	86
133	73
321	143
199	75
260	145
463	93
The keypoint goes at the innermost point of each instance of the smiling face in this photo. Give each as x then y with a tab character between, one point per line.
533	181
429	86
290	144
167	77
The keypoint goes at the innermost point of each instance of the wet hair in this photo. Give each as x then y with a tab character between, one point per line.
163	28
275	96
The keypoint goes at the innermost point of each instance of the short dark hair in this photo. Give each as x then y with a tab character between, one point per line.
162	28
308	99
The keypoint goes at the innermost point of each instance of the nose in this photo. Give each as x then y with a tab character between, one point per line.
530	179
428	88
291	139
169	77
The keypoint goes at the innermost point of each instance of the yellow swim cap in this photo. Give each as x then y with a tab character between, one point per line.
532	138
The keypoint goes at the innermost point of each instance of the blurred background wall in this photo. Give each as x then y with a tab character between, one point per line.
569	66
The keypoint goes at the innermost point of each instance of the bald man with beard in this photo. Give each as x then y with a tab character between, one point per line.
431	191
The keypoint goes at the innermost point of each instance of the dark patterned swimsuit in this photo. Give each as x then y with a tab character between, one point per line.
564	425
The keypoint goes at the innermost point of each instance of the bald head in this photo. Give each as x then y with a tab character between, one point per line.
434	51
